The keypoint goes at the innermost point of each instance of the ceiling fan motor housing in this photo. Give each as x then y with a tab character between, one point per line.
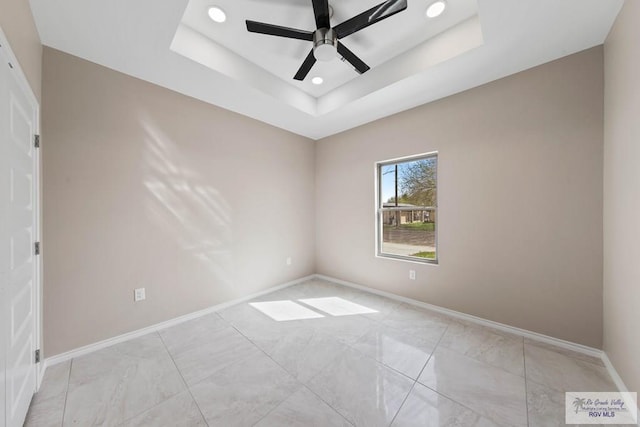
325	44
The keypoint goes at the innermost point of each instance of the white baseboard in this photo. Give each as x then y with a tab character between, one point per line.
614	374
63	357
456	314
622	387
478	320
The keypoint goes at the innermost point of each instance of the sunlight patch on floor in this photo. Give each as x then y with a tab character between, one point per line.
285	310
336	306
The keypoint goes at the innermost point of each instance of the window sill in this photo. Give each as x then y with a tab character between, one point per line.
407	259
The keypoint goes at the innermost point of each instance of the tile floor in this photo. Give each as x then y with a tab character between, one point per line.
335	357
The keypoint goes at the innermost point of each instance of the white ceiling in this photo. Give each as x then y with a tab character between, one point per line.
282	57
234	52
142	37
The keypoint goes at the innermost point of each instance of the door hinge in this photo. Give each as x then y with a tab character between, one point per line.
36	141
37	248
38	356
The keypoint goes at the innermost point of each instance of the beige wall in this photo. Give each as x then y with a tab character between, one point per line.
622	196
520	200
19	27
144	187
208	204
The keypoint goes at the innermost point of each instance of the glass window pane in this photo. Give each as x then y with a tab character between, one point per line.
409	233
408	197
388	185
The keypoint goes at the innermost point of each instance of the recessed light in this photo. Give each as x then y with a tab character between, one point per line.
436	9
317	80
217	14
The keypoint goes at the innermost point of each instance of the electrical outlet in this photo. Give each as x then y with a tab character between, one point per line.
139	294
412	274
289	261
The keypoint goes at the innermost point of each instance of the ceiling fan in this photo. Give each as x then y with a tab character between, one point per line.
325	38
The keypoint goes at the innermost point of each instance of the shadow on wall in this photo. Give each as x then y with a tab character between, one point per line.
182	204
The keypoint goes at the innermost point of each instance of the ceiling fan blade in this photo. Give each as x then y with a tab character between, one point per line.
306	66
321	12
276	30
370	17
360	66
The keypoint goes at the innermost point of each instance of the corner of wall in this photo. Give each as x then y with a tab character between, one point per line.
621	273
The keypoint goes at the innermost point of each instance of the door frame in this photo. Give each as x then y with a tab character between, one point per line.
7	53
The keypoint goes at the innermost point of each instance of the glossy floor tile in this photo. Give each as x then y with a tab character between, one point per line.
497	348
183	337
112	385
545	406
179	411
325	355
364	391
492	392
244	392
346	329
46	413
559	371
47	406
208	356
426	408
55	381
405	353
305	352
303	409
416	321
382	306
259	328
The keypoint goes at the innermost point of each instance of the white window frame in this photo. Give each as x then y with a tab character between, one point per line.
380	209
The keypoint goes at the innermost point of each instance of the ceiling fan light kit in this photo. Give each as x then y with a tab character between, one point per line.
326	44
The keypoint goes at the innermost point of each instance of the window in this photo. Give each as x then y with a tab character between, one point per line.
407	208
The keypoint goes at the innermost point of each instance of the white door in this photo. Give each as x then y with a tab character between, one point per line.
20	233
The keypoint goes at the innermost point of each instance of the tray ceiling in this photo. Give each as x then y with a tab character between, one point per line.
414	60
